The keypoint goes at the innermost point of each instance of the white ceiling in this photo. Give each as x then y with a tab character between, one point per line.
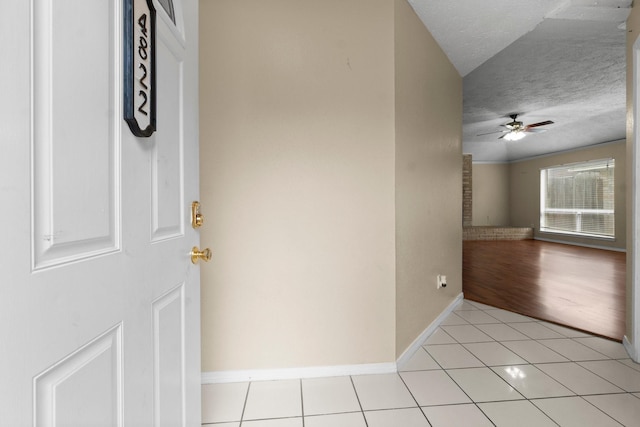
559	60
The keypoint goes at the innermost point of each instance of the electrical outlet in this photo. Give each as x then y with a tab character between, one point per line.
441	281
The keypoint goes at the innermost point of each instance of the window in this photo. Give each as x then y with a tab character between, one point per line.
578	199
167	5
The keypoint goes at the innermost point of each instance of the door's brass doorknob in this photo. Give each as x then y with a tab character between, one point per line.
197	254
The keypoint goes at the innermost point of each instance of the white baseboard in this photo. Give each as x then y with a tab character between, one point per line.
218	377
585	245
417	343
631	350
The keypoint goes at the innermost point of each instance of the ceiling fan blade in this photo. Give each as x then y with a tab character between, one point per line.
518	129
535	125
489	133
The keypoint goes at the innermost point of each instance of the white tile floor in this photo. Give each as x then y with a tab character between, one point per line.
482	367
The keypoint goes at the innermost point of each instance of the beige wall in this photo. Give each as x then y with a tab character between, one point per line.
491	194
524	192
297	160
298	184
428	177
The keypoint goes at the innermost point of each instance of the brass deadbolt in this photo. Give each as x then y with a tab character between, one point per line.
197	219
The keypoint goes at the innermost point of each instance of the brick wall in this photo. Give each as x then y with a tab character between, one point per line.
497	233
467	190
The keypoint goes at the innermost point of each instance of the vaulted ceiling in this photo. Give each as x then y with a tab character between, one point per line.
559	60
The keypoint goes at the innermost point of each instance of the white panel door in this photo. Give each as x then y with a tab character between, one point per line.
99	300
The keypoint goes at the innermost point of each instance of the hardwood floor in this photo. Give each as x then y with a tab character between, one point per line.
579	287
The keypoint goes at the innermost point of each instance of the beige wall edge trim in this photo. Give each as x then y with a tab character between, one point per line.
419	341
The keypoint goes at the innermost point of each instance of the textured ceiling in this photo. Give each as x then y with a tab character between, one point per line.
544	59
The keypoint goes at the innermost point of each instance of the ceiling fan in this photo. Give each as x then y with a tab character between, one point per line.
517	130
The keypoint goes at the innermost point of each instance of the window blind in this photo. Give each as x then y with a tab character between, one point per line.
578	198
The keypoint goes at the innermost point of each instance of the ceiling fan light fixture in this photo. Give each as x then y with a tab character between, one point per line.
515	136
517	130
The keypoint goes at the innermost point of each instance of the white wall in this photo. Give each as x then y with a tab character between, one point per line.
633	300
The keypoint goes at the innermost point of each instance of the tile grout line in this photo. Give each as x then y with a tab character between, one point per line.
569	360
416	400
607	358
302	402
246	400
445	371
582	397
355	390
573	340
524	398
600	376
594	406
